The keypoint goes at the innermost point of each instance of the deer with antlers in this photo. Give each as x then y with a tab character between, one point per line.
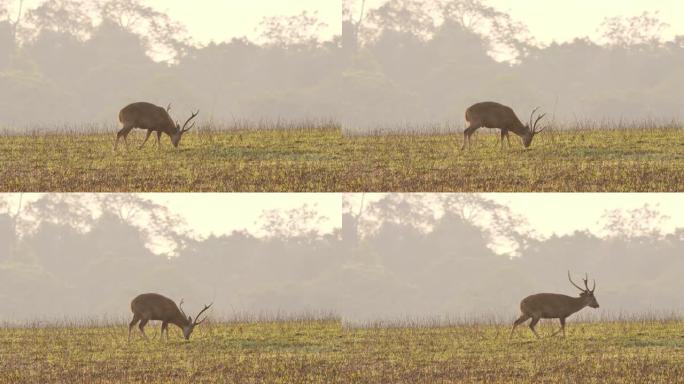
499	116
153	306
555	306
153	119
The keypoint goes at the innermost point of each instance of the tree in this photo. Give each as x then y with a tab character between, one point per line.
645	29
301	30
163	37
66	17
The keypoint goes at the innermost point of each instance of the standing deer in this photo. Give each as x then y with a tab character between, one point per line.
555	306
152	306
153	119
495	115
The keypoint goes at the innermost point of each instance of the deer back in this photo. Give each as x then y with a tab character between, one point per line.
154	306
551	305
147	116
493	115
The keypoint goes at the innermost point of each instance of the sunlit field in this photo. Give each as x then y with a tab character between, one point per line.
586	160
325	351
619	352
245	160
273	352
321	159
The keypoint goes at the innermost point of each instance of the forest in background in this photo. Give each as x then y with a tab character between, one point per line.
86	256
80	256
75	63
410	263
418	64
409	64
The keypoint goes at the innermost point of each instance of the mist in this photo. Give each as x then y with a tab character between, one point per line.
73	64
417	65
60	261
409	263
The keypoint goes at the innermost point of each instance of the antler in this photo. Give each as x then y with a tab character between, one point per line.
573	283
180	306
533	126
200	313
168	108
187	121
586	283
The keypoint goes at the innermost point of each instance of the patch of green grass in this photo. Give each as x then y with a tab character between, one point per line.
591	353
245	160
323	351
278	352
628	160
323	160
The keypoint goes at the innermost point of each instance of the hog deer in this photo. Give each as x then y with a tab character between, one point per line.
555	306
153	119
153	306
495	115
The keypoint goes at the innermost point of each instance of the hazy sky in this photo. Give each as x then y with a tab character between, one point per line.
562	20
220	20
560	213
221	213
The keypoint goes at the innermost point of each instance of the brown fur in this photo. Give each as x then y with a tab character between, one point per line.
494	115
151	118
553	306
153	306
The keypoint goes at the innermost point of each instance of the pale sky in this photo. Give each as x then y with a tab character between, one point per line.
221	20
561	213
563	20
223	213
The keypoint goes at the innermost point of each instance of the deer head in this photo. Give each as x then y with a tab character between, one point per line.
531	128
187	329
586	293
176	137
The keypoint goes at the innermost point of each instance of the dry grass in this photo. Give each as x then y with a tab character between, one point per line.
584	160
323	351
274	352
317	158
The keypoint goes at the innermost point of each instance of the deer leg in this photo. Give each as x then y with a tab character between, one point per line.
523	318
466	135
122	133
164	328
562	321
132	324
159	139
533	324
149	132
141	326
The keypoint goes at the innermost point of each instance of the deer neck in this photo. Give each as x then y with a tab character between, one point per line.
578	303
180	320
519	129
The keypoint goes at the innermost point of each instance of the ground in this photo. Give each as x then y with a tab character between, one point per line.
328	352
324	160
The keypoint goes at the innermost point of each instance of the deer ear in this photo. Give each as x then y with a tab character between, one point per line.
190	319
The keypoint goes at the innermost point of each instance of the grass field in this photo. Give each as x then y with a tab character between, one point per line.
279	352
626	160
275	160
322	160
325	352
648	352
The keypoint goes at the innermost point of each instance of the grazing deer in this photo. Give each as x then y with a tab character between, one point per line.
153	119
555	306
152	306
495	115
